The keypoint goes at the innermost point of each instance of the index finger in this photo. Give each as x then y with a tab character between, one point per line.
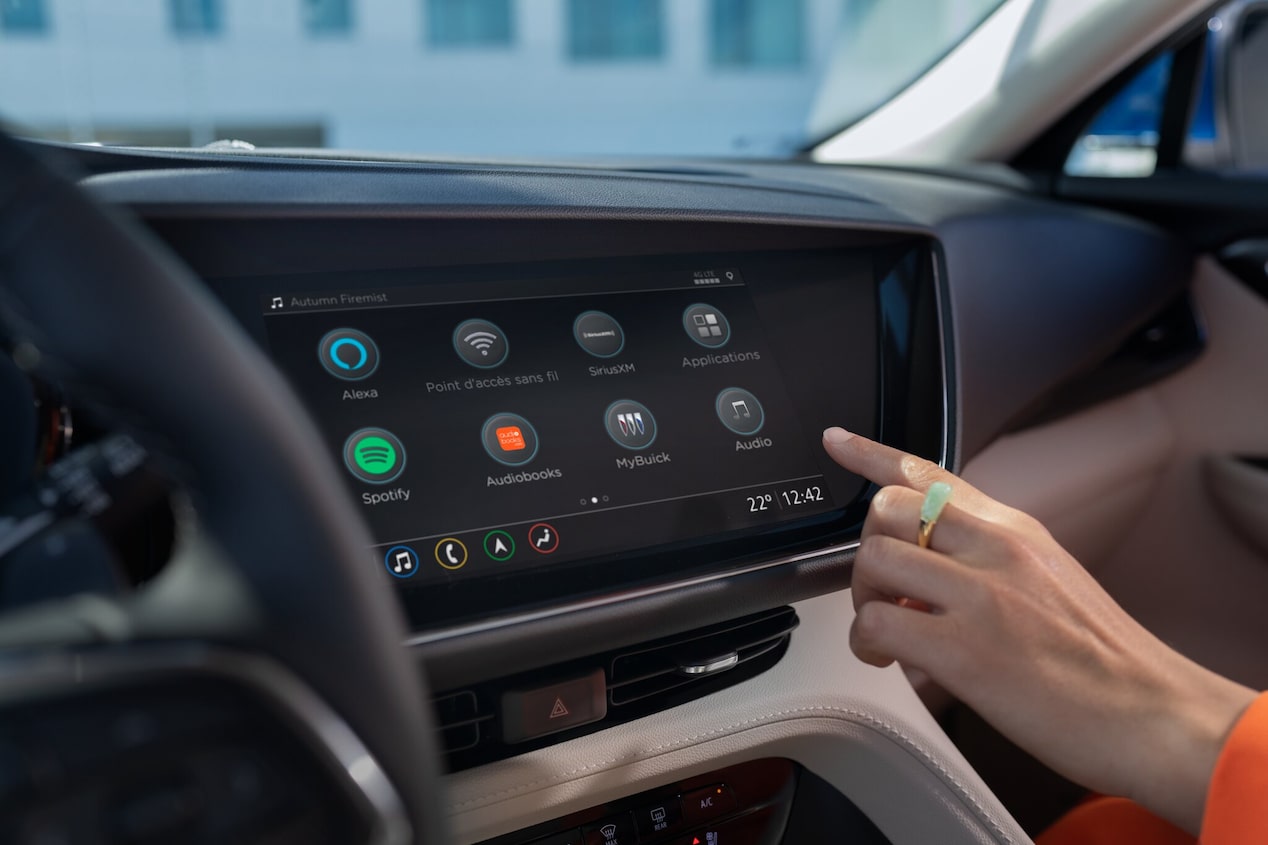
890	467
884	465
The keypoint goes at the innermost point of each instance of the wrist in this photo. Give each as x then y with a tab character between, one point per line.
1194	711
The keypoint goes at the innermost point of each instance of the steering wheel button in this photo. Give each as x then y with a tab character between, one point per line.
348	354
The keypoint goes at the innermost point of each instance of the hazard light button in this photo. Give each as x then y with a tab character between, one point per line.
528	714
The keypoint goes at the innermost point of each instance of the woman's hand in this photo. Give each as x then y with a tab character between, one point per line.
1008	622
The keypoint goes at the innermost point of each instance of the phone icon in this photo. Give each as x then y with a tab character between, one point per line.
451	553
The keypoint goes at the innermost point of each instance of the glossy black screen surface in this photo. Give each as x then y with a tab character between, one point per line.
537	432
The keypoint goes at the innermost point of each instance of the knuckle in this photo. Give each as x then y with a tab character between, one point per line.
871	551
869	624
918	471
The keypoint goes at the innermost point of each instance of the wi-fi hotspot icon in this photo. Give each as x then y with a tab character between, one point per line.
481	341
481	344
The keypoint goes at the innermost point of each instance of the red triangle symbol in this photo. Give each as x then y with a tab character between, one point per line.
695	840
559	709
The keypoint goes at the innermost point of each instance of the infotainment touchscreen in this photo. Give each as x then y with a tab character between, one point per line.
495	425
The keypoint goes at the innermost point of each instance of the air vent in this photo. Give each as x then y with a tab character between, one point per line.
459	720
703	656
640	680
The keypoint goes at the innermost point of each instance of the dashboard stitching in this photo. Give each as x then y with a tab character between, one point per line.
888	730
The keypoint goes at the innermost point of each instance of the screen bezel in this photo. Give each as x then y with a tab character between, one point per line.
911	412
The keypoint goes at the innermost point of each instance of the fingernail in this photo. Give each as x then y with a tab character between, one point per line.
836	436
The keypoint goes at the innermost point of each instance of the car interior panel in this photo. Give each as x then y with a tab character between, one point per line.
393	497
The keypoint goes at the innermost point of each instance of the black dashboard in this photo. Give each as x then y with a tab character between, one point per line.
597	391
578	408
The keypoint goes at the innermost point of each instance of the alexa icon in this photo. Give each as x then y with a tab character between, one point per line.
348	354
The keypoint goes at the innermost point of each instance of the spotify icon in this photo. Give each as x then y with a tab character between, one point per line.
374	455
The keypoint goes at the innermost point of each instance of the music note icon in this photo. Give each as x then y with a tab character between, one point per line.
401	561
740	409
277	303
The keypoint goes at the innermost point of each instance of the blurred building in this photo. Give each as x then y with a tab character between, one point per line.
465	77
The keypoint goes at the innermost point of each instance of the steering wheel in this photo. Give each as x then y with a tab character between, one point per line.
269	599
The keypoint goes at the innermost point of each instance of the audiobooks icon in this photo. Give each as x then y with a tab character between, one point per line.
511	438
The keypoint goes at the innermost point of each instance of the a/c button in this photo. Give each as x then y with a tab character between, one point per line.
527	714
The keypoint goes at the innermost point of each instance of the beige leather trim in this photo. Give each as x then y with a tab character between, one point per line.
1240	493
1085	477
861	729
1122	487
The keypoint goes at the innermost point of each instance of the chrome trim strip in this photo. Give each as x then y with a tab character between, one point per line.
713	666
28	678
946	460
616	598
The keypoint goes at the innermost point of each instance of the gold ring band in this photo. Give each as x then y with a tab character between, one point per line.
930	509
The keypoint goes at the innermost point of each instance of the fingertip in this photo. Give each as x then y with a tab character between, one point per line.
837	436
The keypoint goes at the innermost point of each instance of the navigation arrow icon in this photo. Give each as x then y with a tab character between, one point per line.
499	546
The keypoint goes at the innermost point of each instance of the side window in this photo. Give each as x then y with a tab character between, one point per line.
1226	117
1123	139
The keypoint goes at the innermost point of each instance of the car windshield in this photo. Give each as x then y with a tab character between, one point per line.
501	78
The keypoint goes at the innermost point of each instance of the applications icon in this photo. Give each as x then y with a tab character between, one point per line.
401	561
706	325
451	553
499	545
480	343
348	354
630	424
543	538
740	411
509	439
374	455
599	334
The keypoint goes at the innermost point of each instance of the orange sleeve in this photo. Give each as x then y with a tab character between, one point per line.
1235	803
1112	821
